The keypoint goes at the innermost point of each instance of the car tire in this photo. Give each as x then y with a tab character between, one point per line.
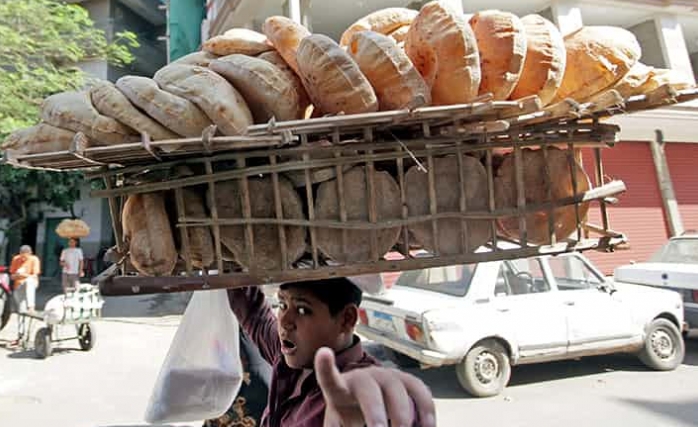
664	348
485	370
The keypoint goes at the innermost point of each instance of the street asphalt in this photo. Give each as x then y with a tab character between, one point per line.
110	385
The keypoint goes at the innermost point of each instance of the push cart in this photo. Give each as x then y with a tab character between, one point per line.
77	309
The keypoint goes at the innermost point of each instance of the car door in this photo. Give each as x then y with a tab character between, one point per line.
533	312
596	316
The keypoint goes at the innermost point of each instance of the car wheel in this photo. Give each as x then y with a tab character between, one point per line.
485	370
664	347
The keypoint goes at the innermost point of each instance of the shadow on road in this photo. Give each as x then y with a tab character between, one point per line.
685	412
691	351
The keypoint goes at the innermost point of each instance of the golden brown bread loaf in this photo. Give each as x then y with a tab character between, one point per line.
265	88
333	80
396	81
201	243
41	138
237	40
200	58
267	252
443	47
501	42
109	100
285	35
597	58
662	76
74	111
175	113
221	102
278	61
148	235
545	61
400	34
383	21
388	206
536	191
447	184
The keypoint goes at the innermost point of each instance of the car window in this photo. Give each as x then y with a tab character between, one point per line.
520	277
451	280
683	251
571	273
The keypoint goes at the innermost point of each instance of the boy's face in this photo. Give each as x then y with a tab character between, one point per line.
305	325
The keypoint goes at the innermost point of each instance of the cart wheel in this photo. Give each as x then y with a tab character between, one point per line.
42	343
86	336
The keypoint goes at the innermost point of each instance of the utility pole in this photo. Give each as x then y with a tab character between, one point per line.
666	188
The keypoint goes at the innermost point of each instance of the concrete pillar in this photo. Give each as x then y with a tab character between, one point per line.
666	188
648	37
567	15
298	11
674	49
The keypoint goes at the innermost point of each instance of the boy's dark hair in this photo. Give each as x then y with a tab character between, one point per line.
337	292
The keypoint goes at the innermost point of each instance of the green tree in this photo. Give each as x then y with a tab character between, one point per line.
43	41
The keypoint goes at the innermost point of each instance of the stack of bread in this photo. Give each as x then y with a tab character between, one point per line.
394	58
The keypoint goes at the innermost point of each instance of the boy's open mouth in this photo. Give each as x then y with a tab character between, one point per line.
288	347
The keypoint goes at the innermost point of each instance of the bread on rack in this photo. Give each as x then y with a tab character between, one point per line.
266	89
661	77
109	100
396	81
597	58
294	79
331	241
383	21
212	93
74	111
565	173
200	58
501	42
41	138
175	113
266	250
447	193
400	35
545	61
285	35
200	239
442	46
334	81
237	40
147	233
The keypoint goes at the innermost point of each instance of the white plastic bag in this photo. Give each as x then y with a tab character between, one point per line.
202	372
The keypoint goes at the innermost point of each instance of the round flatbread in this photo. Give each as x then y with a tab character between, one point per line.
501	41
332	78
41	138
285	35
536	191
383	21
442	46
447	183
388	206
396	81
237	40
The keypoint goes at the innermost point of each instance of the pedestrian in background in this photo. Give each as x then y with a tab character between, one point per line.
72	261
25	270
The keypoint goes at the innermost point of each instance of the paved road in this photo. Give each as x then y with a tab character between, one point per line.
110	385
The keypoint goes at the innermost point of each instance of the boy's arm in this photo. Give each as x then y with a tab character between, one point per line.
257	320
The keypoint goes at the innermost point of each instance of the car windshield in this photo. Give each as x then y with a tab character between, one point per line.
451	280
680	251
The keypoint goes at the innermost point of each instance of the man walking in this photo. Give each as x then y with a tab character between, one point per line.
25	270
72	260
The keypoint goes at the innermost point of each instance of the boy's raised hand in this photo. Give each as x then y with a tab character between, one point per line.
372	396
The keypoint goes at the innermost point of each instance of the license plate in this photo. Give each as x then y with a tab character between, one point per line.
383	321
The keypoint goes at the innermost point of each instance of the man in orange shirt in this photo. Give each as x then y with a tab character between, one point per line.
25	270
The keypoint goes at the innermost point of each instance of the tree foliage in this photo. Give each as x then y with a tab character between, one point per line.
43	41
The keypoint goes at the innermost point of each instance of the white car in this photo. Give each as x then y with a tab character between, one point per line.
483	318
675	267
